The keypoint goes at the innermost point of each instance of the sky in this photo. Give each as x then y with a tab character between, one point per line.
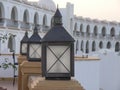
94	9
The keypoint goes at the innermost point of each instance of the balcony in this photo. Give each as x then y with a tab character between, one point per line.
12	23
25	25
117	37
37	25
45	28
76	33
109	37
101	36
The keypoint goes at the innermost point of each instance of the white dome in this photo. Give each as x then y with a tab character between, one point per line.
47	4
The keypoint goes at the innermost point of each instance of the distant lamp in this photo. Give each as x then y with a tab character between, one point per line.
34	47
23	44
58	52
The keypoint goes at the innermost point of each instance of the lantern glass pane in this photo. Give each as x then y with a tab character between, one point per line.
35	51
24	47
58	59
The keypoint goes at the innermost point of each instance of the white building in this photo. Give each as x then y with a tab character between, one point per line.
92	36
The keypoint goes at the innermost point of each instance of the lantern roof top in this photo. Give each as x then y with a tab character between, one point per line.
57	13
35	38
57	33
25	38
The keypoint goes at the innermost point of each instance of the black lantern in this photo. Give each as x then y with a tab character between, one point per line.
23	44
34	47
58	52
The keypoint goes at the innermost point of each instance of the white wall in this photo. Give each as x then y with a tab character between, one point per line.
87	73
110	71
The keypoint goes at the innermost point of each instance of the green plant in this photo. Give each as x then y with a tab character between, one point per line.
7	64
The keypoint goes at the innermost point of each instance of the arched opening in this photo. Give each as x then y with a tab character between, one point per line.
75	27
71	24
101	44
14	14
87	47
52	22
117	47
81	28
26	16
11	43
82	46
108	45
88	30
93	46
95	31
2	12
36	18
103	31
44	20
112	32
77	46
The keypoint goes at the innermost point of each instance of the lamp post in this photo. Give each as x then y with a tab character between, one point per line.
58	52
23	44
34	47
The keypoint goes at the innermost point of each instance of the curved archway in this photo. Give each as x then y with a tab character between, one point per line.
93	46
75	27
87	47
52	22
11	43
77	46
26	16
81	28
101	45
44	20
103	31
117	47
108	45
95	32
14	14
82	46
112	32
2	10
36	18
88	30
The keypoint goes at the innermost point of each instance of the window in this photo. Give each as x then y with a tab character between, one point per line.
36	18
26	16
95	31
75	27
93	46
81	28
45	20
88	30
52	22
103	31
77	46
11	43
112	32
82	45
108	45
117	47
101	45
87	47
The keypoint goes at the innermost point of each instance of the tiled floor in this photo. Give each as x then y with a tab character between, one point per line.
8	85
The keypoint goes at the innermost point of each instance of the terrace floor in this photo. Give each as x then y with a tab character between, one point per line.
8	85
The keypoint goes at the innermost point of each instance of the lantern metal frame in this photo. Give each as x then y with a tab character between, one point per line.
57	76
24	41
35	39
53	68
